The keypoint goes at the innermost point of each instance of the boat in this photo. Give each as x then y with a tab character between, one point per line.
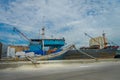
44	48
98	48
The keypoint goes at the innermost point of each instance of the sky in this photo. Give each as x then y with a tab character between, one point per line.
61	18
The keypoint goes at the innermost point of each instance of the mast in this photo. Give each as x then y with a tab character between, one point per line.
92	38
104	39
43	29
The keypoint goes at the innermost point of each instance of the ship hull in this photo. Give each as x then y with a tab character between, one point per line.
97	53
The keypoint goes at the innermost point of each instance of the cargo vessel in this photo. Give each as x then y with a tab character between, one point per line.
99	48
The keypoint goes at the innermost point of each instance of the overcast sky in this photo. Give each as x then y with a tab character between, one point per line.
62	18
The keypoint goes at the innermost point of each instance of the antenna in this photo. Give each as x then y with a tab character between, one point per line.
39	34
43	32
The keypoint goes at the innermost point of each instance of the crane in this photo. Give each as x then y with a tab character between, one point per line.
100	44
15	29
92	38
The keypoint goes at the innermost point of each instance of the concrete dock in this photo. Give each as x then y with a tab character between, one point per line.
105	69
15	64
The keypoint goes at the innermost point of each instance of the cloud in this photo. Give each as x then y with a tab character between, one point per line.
64	18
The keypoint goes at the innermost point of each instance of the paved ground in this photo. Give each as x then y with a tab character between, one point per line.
89	71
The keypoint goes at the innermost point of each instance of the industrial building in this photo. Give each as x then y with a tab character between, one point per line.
12	49
3	50
7	51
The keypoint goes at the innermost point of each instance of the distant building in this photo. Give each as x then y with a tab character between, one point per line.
3	50
19	48
11	50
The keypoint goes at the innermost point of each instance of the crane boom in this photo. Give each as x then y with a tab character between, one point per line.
92	38
15	29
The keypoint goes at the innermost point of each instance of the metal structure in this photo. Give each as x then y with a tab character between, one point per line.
15	29
43	33
105	43
92	38
100	40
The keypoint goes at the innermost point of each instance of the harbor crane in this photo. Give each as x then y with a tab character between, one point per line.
92	38
15	29
100	44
